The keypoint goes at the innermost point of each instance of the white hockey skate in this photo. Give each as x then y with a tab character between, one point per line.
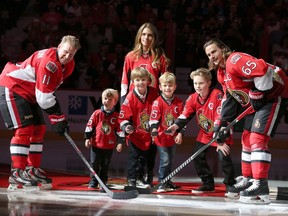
234	190
257	193
20	181
39	175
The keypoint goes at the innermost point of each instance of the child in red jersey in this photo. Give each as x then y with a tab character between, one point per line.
165	110
102	133
134	120
205	103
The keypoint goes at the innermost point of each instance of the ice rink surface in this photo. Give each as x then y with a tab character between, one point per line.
58	202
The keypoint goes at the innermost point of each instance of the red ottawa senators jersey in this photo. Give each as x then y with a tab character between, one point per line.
206	114
164	114
132	61
37	77
137	112
244	72
103	129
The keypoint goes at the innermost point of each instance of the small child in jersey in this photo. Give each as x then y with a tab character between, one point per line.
134	121
205	105
102	134
165	110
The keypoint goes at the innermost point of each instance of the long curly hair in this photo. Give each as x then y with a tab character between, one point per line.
155	50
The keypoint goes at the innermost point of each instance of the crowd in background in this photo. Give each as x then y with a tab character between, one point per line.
107	30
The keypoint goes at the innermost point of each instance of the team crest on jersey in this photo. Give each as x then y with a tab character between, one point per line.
169	120
235	58
51	66
106	129
205	123
239	96
144	121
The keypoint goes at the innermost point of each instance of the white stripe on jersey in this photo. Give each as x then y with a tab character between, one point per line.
10	108
27	74
19	150
45	100
265	82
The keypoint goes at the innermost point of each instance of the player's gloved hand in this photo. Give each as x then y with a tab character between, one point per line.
220	132
59	123
257	99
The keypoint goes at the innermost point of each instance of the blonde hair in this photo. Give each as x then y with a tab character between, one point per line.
225	50
155	49
72	40
204	72
110	93
167	77
139	72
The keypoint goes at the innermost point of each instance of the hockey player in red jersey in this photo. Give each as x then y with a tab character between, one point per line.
147	53
134	121
26	89
248	80
205	105
166	108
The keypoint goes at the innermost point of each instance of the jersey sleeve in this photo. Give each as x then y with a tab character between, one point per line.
125	81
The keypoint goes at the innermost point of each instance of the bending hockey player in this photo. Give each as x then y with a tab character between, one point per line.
25	89
247	80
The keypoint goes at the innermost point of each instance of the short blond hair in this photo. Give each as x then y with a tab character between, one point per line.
72	40
167	77
139	72
110	93
204	72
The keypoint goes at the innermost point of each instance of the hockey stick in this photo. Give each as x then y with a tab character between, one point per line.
114	195
278	193
151	190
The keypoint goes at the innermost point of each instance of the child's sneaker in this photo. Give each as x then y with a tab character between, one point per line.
205	188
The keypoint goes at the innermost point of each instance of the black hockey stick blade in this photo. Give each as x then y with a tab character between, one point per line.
140	190
114	195
279	193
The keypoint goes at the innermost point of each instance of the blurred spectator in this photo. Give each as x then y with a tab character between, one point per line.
93	39
73	7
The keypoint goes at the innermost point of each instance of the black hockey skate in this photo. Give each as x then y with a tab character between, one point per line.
234	190
40	176
20	181
257	193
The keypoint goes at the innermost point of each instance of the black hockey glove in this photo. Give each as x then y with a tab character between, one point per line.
220	132
59	123
257	99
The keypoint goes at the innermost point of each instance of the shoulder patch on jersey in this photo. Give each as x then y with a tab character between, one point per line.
51	66
235	58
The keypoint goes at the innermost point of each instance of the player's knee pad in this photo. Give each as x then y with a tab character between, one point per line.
23	135
38	134
259	141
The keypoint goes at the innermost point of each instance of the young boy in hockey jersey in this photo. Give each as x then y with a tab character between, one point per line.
205	103
134	121
102	133
166	108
